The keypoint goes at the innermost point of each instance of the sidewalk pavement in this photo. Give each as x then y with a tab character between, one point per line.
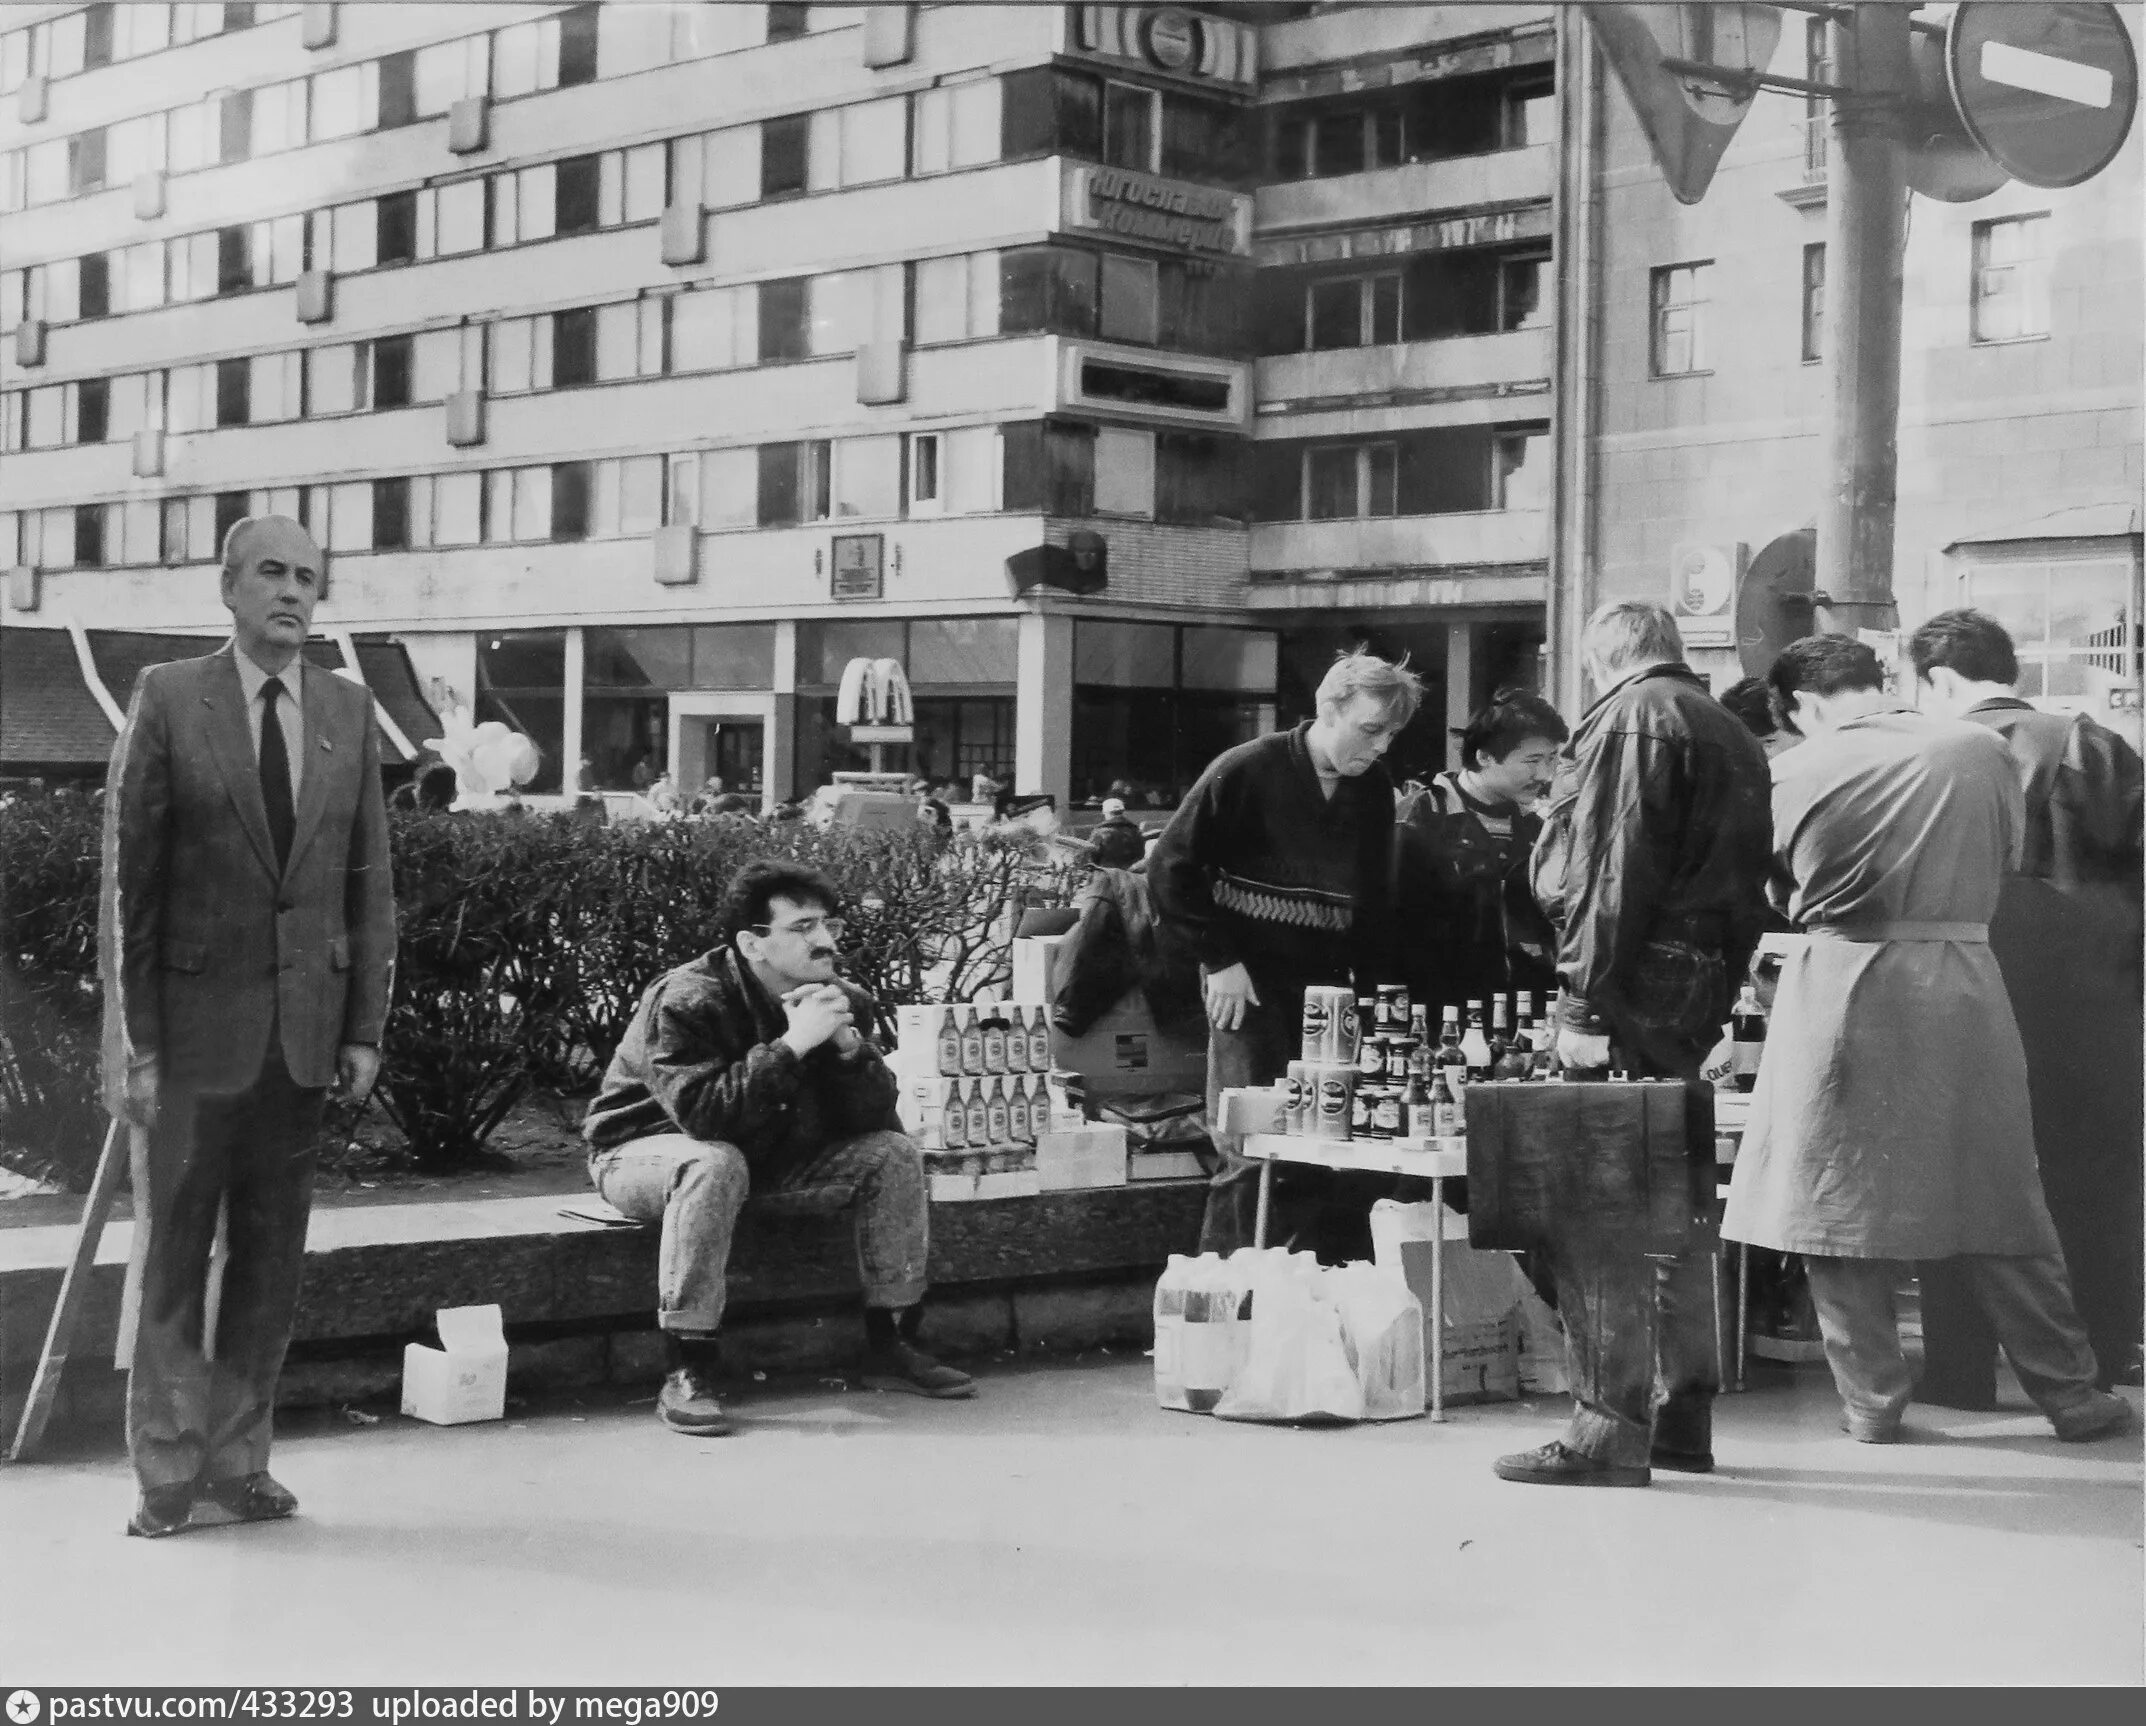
1062	1529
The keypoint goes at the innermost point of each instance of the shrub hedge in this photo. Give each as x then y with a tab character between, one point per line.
524	944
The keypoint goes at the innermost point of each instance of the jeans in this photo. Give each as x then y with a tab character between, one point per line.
189	1417
2028	1304
696	1187
1639	1328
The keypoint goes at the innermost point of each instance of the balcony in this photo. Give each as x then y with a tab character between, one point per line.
1398	544
1457	367
1391	194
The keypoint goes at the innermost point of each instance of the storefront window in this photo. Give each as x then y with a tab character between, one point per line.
963	650
521	682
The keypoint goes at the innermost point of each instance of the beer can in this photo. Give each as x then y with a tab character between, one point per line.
1334	1094
1329	1026
1393	1009
1298	1098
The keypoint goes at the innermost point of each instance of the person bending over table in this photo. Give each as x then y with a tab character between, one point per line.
746	1069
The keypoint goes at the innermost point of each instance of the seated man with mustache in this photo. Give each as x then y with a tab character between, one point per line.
746	1069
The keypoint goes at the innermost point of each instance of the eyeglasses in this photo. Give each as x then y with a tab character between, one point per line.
807	927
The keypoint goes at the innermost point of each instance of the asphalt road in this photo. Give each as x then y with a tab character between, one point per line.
1062	1529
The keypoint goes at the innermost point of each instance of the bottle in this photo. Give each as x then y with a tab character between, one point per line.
979	1115
1423	1052
1016	1040
1519	1057
994	1041
1501	1032
972	1041
1018	1128
1360	1110
1457	1082
1419	1024
1475	1045
1450	1066
1386	1121
953	1119
1542	1064
1747	1038
1421	1116
998	1123
1039	1041
1370	1059
949	1044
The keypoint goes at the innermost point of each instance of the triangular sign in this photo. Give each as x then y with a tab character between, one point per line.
1687	118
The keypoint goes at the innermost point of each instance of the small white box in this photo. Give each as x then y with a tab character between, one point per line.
1249	1109
1085	1156
1033	957
466	1379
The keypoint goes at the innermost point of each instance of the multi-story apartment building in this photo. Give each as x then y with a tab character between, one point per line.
1696	420
640	365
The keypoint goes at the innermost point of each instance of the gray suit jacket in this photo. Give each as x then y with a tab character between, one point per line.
203	945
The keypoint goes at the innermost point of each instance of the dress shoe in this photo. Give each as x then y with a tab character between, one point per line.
2102	1415
1872	1431
250	1497
899	1365
689	1403
1557	1464
163	1510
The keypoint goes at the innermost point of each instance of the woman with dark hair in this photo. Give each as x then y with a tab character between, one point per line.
1467	925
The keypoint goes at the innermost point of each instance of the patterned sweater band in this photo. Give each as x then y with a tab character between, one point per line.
1298	907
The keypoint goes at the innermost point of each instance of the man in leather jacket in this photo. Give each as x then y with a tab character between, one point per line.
1652	865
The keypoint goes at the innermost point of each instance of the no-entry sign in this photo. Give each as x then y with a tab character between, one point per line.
2047	90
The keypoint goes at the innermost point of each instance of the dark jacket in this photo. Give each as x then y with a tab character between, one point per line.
1465	922
704	1057
1259	868
1652	864
1119	945
1117	843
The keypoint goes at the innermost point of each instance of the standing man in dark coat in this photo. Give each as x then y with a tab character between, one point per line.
2066	936
1652	864
247	942
1467	925
1275	872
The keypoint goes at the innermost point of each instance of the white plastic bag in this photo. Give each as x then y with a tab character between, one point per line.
1382	1324
1296	1364
1195	1328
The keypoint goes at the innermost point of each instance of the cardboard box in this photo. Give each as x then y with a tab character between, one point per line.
1034	956
1085	1156
1483	1323
1123	1053
1482	1361
1251	1110
464	1380
1164	1166
1007	1184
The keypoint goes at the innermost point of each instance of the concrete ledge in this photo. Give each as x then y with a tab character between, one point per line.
1061	1271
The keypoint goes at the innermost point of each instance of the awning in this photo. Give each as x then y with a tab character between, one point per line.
52	722
2084	521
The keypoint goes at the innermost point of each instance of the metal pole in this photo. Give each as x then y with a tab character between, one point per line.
1866	234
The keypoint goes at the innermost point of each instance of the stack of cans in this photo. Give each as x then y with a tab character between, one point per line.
1319	1091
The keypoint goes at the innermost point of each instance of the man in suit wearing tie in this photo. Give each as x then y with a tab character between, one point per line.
247	942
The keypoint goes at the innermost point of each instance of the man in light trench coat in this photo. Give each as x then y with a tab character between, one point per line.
1891	1120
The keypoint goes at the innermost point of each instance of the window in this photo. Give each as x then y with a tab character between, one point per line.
397	238
172	530
1129	299
1679	298
1523	297
391	359
1356	311
230	509
96	285
97	36
794	482
1530	115
955	126
1330	478
391	514
1199	479
89	535
573	347
2011	285
234	259
921	458
398	90
1130	126
92	409
1524	469
784	149
570	499
1124	472
957	297
1814	303
577	46
785	23
234	392
85	163
785	328
577	206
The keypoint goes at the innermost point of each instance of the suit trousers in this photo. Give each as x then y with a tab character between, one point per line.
189	1417
2025	1299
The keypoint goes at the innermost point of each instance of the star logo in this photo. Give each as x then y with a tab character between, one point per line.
23	1707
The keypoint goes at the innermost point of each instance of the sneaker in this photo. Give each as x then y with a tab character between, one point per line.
689	1403
163	1510
901	1365
2102	1415
1557	1464
1872	1431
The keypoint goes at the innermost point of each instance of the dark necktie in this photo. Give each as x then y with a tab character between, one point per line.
276	774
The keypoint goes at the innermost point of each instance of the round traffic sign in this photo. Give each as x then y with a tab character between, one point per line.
2047	90
1943	162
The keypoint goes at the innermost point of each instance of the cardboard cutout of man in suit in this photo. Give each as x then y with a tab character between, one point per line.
247	941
